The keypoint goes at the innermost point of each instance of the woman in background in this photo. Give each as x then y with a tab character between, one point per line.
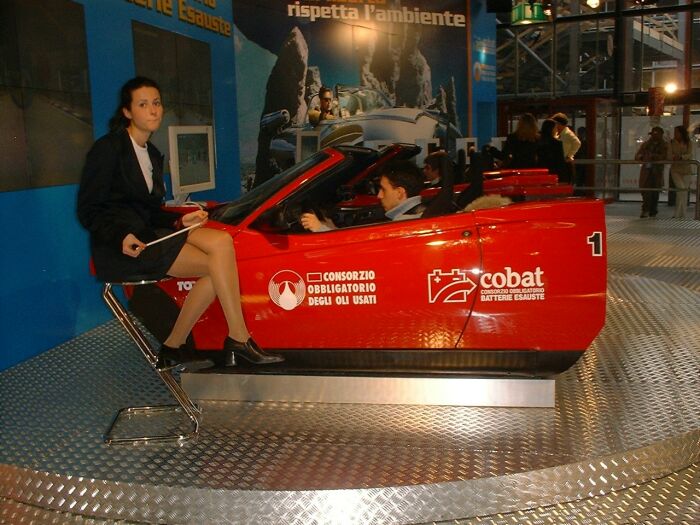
119	203
681	149
651	174
520	148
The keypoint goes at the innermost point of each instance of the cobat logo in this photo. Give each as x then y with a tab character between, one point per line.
449	287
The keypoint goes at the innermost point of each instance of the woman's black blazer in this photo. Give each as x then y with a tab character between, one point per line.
113	199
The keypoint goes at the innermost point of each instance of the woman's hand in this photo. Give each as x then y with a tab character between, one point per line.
195	217
310	222
131	246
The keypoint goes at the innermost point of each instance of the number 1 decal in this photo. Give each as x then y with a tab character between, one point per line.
596	242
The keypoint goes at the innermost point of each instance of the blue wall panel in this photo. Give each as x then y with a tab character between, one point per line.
48	296
483	72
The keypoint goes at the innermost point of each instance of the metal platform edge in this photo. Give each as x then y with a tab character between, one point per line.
455	499
458	391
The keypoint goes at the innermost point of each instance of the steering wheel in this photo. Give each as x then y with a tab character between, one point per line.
291	216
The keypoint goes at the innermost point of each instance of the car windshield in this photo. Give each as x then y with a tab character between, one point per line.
237	210
356	101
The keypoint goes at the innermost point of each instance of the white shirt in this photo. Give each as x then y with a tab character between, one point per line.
399	212
570	142
145	163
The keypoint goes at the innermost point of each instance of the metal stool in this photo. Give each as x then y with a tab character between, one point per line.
185	404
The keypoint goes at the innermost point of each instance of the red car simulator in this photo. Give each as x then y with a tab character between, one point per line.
516	289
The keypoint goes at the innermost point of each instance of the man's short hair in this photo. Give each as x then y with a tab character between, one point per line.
434	160
404	174
323	90
560	118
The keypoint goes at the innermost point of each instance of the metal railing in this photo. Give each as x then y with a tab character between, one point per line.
619	189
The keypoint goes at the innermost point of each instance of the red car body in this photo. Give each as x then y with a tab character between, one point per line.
515	289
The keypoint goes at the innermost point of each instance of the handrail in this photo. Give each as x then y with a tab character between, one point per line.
620	189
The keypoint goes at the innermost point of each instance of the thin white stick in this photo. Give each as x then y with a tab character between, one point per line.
178	232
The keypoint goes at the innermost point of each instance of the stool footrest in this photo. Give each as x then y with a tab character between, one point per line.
127	412
185	404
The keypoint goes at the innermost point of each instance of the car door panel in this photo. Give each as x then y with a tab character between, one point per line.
405	284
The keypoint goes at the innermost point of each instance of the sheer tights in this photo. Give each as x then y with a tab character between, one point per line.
209	255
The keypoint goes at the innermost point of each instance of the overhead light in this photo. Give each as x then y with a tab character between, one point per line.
592	3
527	12
671	87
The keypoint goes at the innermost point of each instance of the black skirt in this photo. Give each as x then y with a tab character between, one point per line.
152	264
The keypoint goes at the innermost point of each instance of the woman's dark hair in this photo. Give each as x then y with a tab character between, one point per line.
547	129
118	120
685	136
527	128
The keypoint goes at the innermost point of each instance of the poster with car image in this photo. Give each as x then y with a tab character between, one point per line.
398	71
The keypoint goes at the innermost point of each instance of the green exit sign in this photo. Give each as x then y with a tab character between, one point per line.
527	13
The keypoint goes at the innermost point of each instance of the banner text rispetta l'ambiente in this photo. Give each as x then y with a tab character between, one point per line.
370	12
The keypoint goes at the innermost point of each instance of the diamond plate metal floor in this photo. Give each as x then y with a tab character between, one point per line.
621	446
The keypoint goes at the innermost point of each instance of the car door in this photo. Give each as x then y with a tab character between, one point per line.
404	284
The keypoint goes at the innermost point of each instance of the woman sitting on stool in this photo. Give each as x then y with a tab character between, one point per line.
119	203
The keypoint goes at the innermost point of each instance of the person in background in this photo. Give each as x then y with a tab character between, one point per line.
550	151
493	157
570	142
651	175
431	168
119	203
520	147
681	149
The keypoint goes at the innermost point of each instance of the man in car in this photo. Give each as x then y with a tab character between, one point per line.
399	194
325	110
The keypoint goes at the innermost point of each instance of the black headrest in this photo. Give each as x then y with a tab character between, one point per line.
443	204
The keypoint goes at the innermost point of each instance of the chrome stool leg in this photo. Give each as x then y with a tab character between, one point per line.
185	404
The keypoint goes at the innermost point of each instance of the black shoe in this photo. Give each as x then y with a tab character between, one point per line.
250	351
169	357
